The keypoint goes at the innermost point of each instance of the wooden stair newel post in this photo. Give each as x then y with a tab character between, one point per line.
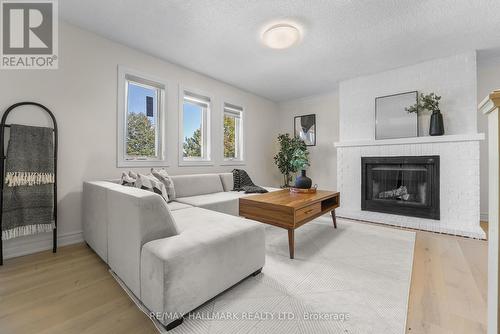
490	107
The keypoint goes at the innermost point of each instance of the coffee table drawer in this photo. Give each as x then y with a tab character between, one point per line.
308	211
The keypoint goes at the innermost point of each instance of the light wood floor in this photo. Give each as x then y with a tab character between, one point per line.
68	292
449	285
72	291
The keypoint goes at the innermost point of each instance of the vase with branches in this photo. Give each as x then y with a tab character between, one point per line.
429	103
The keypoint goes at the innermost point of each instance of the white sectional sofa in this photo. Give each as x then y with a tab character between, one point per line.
175	256
209	191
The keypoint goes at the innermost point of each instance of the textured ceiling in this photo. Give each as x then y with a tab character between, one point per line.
342	38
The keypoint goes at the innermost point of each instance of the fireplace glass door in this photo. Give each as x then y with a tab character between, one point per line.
401	185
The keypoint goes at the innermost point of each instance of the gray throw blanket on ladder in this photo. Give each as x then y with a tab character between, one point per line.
243	182
28	204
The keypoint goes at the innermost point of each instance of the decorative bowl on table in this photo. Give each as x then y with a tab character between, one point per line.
303	191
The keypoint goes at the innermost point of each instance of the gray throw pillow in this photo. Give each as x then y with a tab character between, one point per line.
150	183
162	175
127	180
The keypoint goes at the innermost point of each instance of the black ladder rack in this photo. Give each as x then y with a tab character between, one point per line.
3	125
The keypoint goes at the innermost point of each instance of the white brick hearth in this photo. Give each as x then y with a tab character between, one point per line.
459	181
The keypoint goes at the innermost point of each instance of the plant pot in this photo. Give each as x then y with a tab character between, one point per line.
436	127
286	181
302	181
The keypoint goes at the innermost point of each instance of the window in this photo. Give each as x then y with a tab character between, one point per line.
233	132
195	117
141	105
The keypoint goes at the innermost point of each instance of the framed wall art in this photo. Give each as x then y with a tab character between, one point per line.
305	128
391	118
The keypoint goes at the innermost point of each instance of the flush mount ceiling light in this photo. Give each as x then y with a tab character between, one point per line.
281	36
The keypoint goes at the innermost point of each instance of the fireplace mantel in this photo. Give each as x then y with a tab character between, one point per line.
414	140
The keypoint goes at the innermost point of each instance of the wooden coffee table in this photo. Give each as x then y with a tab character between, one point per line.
289	210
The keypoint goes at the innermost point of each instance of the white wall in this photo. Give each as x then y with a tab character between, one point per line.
323	156
454	78
488	79
82	93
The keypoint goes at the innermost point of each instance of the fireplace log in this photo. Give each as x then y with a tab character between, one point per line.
401	193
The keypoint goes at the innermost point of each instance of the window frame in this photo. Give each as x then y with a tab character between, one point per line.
207	160
242	147
124	76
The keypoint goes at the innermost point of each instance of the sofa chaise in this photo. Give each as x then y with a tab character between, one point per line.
173	257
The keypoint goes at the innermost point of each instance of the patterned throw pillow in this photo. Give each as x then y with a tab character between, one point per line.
162	175
150	183
127	180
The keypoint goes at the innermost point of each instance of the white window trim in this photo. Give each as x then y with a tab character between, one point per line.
241	161
123	72
207	135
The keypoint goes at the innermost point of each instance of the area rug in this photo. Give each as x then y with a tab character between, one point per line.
353	279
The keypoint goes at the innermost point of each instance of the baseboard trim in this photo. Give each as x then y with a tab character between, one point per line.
34	244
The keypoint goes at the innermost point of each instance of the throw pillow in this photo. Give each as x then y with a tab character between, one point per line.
162	175
127	180
150	183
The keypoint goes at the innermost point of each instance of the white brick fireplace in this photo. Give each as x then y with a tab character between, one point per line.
454	78
459	181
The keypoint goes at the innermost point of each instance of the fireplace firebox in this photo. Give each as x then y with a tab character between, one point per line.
407	186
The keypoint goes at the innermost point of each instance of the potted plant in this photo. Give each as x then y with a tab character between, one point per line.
292	156
430	102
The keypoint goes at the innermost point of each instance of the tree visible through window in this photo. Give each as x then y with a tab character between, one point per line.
192	145
233	132
229	137
142	135
195	127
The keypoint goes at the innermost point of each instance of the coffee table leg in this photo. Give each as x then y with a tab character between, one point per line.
291	242
334	218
